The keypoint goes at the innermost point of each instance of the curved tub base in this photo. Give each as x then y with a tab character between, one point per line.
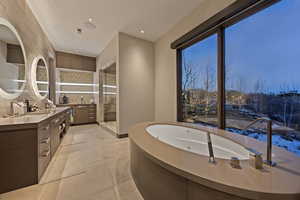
157	183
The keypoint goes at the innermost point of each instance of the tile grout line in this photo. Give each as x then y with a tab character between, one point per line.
62	178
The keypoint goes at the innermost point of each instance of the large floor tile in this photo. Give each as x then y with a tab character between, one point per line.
128	191
90	164
28	193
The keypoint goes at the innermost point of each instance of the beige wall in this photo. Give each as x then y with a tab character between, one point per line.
134	60
165	58
136	81
34	39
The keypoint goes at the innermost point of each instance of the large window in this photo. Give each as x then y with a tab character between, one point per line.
199	88
261	76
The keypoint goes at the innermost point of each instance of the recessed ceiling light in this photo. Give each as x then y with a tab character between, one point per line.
142	31
79	30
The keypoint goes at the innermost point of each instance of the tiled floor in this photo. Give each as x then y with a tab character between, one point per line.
111	125
90	164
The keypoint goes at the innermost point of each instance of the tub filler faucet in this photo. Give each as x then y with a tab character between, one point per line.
210	150
269	139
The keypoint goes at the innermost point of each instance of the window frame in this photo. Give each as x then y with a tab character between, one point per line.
217	24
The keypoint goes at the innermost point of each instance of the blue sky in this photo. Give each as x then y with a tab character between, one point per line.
262	48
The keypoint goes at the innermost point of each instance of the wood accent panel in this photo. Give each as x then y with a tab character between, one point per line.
85	114
26	153
156	182
18	153
14	54
153	181
77	62
82	113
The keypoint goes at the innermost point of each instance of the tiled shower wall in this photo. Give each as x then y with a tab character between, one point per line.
34	39
71	76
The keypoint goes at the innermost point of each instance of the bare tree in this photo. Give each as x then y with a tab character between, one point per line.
259	88
208	85
189	79
240	85
284	89
190	75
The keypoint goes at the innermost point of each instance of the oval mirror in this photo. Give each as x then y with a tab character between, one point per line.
12	61
40	77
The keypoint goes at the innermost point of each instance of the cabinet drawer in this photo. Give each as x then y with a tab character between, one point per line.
92	114
44	159
44	132
44	147
45	142
92	119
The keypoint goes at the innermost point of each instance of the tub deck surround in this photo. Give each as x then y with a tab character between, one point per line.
29	120
272	183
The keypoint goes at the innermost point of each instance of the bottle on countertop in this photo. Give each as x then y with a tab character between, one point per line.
28	107
65	99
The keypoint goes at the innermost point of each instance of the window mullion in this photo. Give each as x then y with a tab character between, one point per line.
221	79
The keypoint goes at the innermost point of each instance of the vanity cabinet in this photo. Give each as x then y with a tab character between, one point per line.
44	147
27	148
55	135
82	113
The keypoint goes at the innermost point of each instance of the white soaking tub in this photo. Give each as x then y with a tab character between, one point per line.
195	141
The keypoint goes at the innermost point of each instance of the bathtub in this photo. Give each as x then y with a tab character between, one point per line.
194	140
170	161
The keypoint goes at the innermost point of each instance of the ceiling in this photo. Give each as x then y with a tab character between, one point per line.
61	18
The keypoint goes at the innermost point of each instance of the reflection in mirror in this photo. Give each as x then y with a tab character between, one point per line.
41	85
12	62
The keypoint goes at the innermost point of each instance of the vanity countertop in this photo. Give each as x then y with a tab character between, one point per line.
28	120
76	104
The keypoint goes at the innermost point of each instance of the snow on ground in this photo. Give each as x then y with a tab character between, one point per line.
290	145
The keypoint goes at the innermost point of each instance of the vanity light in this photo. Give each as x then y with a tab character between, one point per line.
76	84
90	19
142	31
109	86
20	81
39	82
42	82
109	93
76	92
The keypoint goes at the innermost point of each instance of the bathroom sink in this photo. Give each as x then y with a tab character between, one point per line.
40	112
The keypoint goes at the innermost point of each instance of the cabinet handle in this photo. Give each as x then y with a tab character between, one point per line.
45	141
46	128
56	121
46	153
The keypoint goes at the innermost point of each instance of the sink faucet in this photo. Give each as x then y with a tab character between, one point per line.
269	138
210	150
12	110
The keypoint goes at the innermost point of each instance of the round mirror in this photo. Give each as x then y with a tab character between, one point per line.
40	77
12	61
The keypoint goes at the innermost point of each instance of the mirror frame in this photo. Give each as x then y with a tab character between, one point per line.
3	93
33	76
